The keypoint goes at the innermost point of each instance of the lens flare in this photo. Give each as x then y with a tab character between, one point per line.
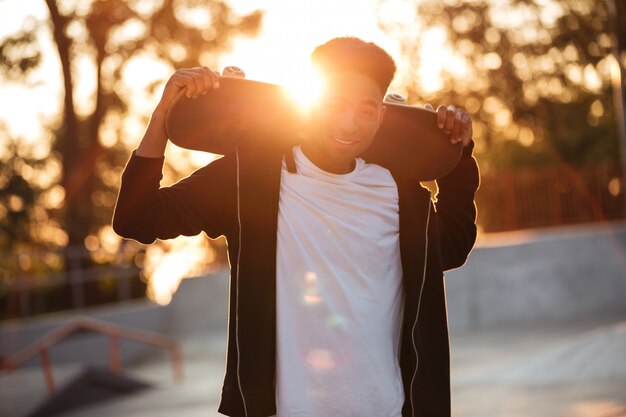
311	295
305	87
336	322
320	359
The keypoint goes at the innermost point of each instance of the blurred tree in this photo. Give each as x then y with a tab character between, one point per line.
27	195
104	41
17	197
19	54
534	73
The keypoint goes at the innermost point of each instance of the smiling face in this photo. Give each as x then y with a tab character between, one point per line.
344	121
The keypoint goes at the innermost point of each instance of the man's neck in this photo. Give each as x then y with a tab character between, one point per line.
326	164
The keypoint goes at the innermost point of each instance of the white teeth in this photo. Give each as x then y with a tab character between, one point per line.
343	142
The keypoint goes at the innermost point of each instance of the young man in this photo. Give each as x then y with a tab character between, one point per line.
337	302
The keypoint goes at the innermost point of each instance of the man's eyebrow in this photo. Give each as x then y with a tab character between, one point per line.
367	102
370	102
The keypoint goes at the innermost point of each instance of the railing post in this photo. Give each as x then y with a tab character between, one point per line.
76	276
115	356
47	369
123	285
555	192
511	184
177	362
24	291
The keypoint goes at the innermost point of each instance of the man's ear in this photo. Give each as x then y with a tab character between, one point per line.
381	116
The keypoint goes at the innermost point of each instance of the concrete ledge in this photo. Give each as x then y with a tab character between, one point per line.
555	274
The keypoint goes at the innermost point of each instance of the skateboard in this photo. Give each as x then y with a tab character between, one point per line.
241	111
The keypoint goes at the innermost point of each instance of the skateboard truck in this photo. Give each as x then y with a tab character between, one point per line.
394	98
233	71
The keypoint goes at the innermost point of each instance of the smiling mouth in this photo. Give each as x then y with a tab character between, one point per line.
343	142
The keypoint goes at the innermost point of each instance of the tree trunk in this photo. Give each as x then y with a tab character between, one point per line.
78	153
77	176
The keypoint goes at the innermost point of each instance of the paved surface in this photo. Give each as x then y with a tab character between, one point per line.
553	370
567	370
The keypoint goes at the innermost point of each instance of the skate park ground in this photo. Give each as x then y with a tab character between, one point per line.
548	341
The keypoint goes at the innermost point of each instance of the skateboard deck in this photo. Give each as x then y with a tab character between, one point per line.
241	111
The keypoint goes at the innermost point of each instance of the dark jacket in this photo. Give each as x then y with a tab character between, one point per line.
237	196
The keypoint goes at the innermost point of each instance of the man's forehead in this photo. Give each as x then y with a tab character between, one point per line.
352	84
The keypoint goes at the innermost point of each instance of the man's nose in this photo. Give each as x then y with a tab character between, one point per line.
347	121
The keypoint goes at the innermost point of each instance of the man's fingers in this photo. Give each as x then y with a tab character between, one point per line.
454	122
183	81
468	131
429	106
441	116
198	79
450	112
214	77
190	81
207	81
456	130
201	80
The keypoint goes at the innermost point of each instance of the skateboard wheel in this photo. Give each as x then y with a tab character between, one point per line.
233	71
395	98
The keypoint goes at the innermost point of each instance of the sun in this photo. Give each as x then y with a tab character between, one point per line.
305	87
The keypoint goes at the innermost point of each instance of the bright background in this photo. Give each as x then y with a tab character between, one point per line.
542	101
280	53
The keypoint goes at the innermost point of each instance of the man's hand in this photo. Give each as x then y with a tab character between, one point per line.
197	81
456	122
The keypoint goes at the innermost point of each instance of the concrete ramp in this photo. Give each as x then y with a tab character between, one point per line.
598	354
534	276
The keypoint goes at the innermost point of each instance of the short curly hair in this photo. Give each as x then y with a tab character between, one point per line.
353	54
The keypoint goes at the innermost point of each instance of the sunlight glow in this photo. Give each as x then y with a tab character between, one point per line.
591	79
290	32
597	408
440	57
187	256
305	87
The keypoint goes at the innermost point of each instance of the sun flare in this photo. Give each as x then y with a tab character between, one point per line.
305	87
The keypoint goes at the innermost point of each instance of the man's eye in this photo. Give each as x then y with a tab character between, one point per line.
367	113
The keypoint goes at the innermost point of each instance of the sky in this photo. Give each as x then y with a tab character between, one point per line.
293	28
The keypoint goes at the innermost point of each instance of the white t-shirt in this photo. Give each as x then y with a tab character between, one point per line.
339	293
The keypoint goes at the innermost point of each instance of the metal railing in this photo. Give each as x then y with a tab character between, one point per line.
539	197
114	332
74	282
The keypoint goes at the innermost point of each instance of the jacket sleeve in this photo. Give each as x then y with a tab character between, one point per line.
456	210
203	201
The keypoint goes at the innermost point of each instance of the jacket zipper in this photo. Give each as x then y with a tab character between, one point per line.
245	409
419	300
